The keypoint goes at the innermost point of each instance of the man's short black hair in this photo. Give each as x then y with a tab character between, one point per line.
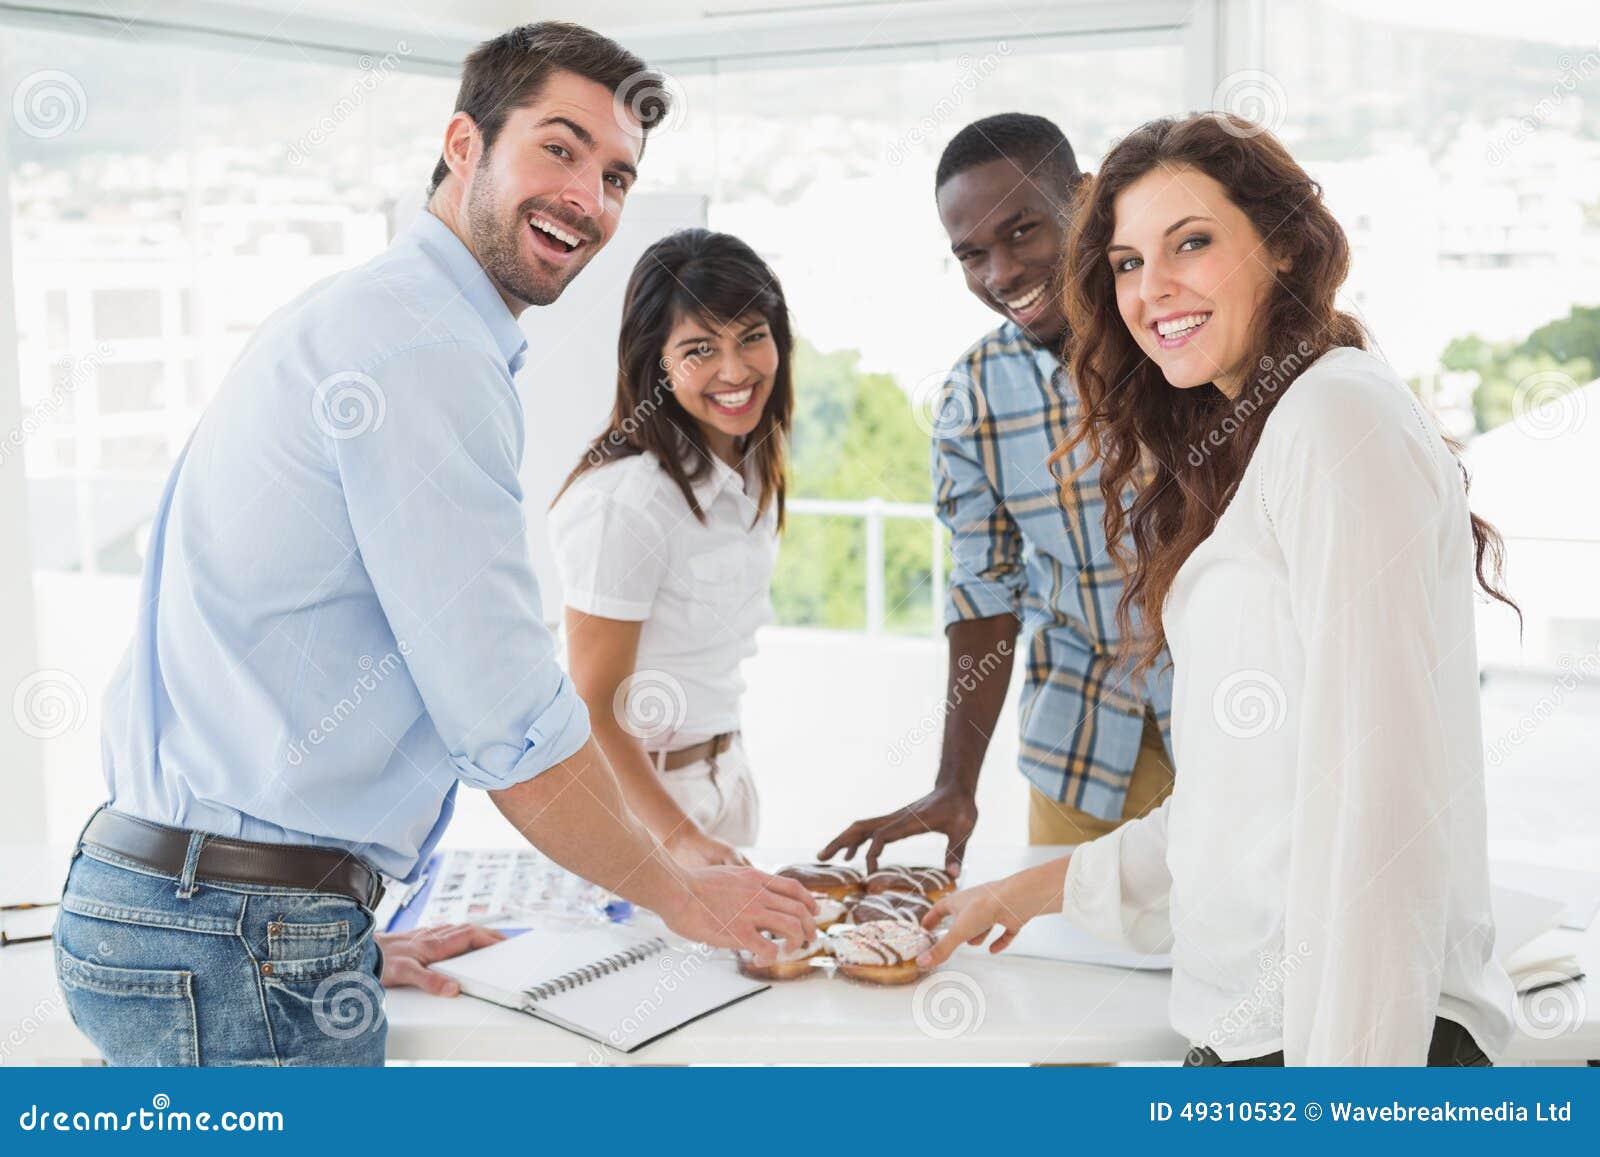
509	72
1033	143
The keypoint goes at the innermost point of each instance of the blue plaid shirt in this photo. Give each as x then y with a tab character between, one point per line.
1019	549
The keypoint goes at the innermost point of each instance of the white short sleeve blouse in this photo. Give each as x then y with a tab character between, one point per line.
629	547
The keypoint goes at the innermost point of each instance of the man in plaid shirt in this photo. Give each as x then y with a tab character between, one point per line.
1093	744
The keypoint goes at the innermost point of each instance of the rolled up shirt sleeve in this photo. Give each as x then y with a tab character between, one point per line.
1119	888
987	576
432	493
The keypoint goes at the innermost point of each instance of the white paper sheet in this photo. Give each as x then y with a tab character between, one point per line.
1054	937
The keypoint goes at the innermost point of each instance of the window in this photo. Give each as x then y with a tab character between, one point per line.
197	191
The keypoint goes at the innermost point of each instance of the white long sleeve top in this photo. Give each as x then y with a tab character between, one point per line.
1320	871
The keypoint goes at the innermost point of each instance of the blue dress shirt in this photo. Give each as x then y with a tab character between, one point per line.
339	622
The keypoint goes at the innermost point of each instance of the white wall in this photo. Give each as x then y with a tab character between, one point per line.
569	380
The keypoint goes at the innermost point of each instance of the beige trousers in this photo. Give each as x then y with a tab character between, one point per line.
718	794
1053	822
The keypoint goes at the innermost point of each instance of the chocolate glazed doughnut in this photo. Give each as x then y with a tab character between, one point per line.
840	881
933	883
906	907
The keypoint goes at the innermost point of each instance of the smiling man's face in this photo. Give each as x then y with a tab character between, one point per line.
547	196
1008	236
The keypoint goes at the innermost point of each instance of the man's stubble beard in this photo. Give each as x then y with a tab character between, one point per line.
498	245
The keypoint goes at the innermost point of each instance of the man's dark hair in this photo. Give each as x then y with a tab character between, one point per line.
1032	143
509	72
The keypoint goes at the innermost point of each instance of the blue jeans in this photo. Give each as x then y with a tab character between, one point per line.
162	970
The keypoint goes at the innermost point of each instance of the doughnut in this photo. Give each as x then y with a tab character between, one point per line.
829	911
787	965
879	951
906	907
933	883
840	881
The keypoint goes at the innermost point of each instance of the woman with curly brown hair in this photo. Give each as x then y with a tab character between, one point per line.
1302	544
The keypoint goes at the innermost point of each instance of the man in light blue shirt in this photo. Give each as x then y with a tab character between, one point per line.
339	624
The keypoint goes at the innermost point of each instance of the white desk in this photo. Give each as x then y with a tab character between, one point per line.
1033	1011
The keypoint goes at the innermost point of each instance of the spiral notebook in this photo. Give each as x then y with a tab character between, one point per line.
620	990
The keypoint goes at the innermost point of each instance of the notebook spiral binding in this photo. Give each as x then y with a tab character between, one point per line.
595	971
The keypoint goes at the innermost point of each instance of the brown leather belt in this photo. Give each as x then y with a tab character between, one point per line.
228	861
710	749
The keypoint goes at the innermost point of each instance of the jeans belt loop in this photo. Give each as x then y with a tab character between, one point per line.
191	865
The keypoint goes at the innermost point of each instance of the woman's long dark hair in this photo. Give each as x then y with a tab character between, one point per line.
1157	443
718	279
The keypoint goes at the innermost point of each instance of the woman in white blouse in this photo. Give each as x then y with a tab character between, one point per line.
666	532
1303	540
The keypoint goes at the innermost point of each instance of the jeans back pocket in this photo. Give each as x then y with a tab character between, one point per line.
134	1016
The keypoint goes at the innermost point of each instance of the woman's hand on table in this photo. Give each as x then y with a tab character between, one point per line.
406	955
692	848
1009	903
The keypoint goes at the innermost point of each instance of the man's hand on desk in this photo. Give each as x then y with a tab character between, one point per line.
1010	903
406	955
951	810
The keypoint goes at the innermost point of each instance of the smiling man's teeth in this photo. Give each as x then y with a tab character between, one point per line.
1179	326
1026	300
555	231
734	399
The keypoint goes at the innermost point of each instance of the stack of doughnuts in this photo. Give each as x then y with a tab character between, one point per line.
873	922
